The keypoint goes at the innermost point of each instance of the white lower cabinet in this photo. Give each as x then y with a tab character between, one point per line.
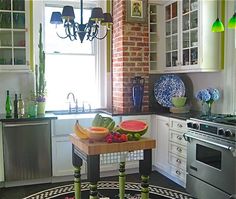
1	156
170	154
177	150
62	147
62	157
161	152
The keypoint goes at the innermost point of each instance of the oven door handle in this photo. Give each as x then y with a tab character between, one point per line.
187	137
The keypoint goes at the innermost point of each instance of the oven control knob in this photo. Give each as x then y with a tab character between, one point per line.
195	126
190	125
228	133
221	132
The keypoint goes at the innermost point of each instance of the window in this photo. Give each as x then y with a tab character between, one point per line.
71	66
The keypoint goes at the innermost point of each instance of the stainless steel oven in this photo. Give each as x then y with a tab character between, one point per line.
211	160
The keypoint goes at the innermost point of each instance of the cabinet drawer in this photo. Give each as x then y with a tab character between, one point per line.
177	149
179	125
178	173
177	137
177	161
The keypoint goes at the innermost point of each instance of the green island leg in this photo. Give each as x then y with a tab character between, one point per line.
93	191
145	169
77	182
144	187
93	174
122	178
77	163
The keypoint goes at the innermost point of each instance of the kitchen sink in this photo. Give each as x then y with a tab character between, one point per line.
73	113
76	115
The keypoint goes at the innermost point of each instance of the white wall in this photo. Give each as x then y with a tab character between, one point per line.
207	80
15	83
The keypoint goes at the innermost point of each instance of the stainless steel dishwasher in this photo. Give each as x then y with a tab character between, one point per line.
27	150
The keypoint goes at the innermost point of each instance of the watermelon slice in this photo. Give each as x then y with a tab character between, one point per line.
133	126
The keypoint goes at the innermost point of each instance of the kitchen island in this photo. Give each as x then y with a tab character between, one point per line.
83	150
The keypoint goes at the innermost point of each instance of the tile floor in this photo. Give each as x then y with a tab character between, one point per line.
20	192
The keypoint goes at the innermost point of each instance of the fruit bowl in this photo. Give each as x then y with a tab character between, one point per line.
97	133
179	101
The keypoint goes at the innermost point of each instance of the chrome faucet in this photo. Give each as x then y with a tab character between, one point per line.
84	107
75	101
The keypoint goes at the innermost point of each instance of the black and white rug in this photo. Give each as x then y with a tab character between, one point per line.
109	189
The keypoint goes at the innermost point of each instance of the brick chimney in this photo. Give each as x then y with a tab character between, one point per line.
130	58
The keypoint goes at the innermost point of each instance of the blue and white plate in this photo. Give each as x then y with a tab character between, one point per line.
166	87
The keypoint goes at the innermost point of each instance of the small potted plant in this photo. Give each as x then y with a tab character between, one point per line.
207	97
40	77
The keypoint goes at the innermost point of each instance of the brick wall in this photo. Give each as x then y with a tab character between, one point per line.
130	58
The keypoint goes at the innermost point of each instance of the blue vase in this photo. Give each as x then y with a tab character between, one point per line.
137	92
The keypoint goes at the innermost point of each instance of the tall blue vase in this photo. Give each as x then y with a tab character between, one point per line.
137	92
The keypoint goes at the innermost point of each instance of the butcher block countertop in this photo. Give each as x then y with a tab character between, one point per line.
97	148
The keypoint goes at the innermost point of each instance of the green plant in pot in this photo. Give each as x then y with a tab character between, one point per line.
40	77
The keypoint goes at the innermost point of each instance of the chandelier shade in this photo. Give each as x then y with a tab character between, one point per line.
56	18
97	14
89	30
107	19
68	13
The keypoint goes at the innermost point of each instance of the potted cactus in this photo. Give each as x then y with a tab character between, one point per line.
40	77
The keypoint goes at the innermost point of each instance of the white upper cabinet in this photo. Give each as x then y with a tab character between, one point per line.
185	42
14	35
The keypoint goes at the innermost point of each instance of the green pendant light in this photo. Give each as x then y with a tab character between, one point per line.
217	25
232	21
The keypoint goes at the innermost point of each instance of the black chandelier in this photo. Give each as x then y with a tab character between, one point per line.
73	29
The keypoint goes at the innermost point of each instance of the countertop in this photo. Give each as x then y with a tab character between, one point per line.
39	117
51	115
183	116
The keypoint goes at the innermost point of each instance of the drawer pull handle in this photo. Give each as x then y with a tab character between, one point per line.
178	172
178	161
179	137
179	149
179	125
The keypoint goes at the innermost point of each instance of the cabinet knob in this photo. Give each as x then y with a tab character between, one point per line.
178	172
179	125
179	137
178	161
167	124
179	149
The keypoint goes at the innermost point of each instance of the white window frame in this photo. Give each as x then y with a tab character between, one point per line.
101	59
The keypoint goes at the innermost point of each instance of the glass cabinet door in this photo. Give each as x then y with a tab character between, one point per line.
189	32
12	32
171	34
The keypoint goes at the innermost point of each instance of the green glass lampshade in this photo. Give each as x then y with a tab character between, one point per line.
217	26
232	21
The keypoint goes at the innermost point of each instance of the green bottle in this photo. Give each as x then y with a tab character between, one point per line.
8	106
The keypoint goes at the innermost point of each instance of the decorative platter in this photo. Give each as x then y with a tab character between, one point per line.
166	87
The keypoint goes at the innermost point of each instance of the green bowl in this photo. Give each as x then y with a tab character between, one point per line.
179	101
